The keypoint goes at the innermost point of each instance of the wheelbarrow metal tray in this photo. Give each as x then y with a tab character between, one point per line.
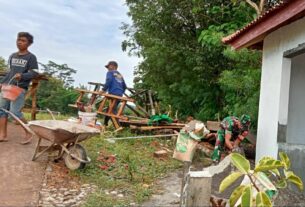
62	131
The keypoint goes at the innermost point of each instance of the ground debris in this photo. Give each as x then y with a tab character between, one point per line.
161	154
59	188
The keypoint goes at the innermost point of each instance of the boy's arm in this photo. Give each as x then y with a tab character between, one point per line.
109	78
124	85
228	135
32	66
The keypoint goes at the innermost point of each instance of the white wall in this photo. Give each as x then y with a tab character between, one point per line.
296	115
273	106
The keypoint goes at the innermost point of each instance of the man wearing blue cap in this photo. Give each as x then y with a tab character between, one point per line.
114	85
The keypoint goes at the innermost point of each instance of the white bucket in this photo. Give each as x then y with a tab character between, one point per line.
87	118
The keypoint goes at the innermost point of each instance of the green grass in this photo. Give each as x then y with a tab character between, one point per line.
133	174
45	116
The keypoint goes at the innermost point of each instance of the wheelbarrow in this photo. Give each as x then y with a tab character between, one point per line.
64	137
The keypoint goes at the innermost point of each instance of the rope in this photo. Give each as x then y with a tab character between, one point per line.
141	137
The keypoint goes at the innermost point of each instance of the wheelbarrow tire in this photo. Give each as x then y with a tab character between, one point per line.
72	163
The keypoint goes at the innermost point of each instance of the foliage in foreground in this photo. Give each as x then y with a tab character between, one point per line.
133	174
278	172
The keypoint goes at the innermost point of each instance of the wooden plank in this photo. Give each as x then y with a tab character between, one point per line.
34	105
105	94
135	111
148	128
102	105
161	154
111	106
72	105
80	97
102	84
115	122
153	111
121	109
112	115
143	110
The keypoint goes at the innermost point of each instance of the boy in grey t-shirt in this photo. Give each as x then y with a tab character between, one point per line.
22	66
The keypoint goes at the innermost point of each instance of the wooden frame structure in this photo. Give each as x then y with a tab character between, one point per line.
143	95
109	99
108	102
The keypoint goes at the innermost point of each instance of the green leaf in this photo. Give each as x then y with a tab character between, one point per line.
236	195
291	177
281	183
229	180
234	1
246	198
264	159
262	200
285	160
276	171
268	164
240	162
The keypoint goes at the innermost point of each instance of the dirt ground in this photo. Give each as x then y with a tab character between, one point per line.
20	177
169	190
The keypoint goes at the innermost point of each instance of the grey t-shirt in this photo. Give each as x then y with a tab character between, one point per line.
24	64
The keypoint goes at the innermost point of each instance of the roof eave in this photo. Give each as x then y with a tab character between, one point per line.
254	33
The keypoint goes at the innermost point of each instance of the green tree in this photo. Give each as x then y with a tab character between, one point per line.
62	72
53	94
58	92
2	65
183	57
260	6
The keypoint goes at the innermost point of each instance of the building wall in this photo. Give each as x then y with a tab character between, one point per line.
296	112
281	123
275	82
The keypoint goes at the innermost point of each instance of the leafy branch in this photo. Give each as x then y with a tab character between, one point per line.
260	179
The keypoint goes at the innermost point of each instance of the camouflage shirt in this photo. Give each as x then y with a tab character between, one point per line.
229	126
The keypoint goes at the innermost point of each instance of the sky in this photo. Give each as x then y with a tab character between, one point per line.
83	34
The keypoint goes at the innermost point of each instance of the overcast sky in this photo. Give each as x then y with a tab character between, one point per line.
83	34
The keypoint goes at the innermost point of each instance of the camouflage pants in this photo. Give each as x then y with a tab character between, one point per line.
219	145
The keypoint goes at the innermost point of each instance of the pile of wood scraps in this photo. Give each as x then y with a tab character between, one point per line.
137	118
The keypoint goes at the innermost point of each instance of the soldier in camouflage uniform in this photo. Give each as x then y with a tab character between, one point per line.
231	129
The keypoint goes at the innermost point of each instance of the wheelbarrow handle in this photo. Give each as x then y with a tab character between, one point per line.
26	127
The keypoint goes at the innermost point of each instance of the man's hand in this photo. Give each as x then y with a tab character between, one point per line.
245	133
228	143
237	150
18	76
